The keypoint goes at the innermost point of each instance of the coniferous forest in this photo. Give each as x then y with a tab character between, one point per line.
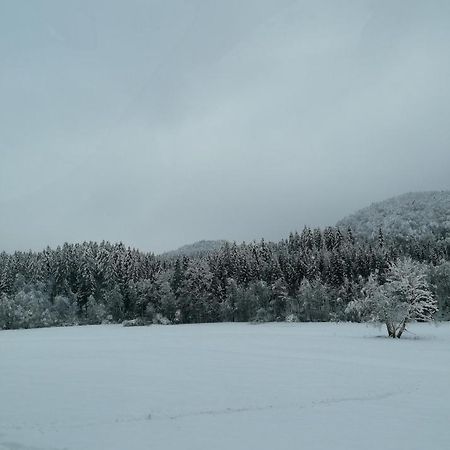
310	276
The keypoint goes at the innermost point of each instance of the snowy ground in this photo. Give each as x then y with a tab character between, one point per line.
225	386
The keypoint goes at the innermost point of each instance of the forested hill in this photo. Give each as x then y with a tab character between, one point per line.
417	214
311	275
199	248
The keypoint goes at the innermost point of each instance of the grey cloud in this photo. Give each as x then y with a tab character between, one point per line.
160	123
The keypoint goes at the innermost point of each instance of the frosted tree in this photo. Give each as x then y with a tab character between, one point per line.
228	306
405	297
95	312
279	299
440	280
8	312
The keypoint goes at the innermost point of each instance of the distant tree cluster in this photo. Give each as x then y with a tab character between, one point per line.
315	275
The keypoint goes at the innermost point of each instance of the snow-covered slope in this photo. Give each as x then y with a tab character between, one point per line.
225	386
196	249
413	214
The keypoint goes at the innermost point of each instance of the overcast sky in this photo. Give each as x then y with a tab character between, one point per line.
159	123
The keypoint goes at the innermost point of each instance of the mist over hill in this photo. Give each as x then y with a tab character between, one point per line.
415	214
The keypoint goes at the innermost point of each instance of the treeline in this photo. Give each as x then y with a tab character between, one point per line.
310	276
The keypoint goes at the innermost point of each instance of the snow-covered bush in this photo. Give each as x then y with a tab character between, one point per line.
159	319
312	303
9	314
95	312
262	315
168	302
292	318
28	308
406	296
113	300
139	322
64	310
279	299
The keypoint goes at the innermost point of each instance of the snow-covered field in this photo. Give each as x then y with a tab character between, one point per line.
225	386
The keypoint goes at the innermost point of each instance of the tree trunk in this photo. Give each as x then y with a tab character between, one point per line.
401	329
391	329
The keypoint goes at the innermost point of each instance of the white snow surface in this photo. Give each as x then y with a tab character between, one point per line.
225	386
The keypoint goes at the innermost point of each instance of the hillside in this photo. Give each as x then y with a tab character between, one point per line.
414	214
196	249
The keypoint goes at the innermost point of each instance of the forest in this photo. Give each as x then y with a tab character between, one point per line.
309	276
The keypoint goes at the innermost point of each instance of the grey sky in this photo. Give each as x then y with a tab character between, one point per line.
159	123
